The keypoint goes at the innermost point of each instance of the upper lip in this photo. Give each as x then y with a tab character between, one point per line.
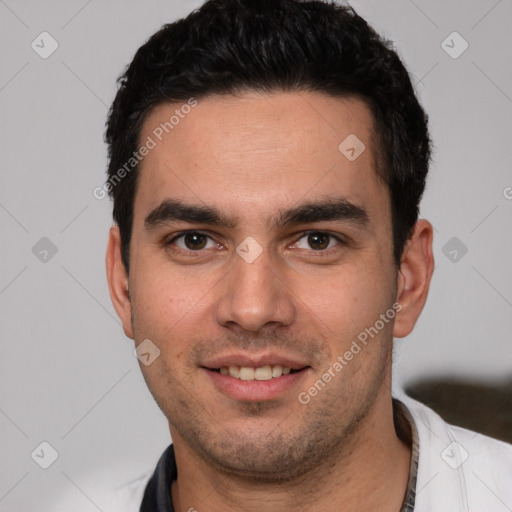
254	361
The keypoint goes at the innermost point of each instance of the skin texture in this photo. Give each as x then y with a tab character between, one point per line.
252	156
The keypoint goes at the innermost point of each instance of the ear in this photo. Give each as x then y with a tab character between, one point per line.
118	281
413	280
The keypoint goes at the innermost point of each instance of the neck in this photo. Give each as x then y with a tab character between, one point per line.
371	468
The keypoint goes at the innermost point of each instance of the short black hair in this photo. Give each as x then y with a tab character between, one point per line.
232	46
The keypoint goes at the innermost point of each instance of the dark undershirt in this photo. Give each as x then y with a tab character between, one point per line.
157	496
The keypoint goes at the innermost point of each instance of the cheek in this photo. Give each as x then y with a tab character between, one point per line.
165	303
347	300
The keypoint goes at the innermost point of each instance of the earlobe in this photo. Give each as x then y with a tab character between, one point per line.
118	281
413	279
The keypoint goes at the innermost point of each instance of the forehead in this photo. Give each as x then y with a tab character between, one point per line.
255	152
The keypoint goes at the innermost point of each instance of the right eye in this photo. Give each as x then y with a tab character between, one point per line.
193	241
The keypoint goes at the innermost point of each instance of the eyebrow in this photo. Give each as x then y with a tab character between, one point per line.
328	209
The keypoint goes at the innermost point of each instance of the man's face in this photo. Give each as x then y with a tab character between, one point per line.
263	280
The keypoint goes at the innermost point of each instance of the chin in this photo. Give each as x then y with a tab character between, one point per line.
265	456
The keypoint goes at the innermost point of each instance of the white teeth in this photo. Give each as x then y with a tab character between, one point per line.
234	371
266	372
246	373
277	371
263	373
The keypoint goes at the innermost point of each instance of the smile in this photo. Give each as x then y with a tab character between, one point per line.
266	372
256	383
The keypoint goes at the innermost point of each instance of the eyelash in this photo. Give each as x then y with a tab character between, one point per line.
199	252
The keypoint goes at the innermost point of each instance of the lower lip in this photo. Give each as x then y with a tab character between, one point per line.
254	390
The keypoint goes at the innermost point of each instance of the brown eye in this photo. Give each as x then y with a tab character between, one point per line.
318	241
193	241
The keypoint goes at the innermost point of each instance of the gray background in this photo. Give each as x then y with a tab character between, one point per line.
68	375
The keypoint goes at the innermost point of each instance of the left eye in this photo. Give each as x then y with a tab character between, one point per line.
317	241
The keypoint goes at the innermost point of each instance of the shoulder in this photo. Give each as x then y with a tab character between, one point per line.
459	469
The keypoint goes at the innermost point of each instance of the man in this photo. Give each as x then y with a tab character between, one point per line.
267	160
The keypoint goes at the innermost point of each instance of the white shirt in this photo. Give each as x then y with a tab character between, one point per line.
458	471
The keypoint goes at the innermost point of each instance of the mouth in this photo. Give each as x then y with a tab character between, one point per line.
266	372
245	378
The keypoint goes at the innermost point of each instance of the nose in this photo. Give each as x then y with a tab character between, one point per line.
253	296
